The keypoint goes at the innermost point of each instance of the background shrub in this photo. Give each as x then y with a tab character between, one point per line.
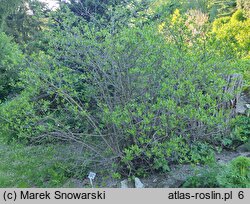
10	60
235	174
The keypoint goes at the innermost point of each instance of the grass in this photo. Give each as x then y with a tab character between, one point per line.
32	166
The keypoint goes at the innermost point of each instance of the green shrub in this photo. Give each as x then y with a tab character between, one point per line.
21	118
236	174
10	60
245	6
141	98
240	130
234	32
204	178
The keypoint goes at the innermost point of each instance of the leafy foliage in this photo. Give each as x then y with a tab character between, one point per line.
138	85
24	21
233	175
237	174
10	60
163	103
245	6
234	30
204	178
242	128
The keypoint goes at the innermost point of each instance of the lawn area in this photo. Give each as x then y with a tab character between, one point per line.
34	166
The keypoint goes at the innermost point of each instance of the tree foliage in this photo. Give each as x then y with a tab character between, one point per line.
24	20
10	60
235	30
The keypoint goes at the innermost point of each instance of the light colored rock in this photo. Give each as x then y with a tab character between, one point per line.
248	110
173	183
74	183
138	183
240	106
124	183
244	148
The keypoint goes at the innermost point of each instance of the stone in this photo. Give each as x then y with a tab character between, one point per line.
138	183
240	106
124	183
173	183
244	147
75	183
